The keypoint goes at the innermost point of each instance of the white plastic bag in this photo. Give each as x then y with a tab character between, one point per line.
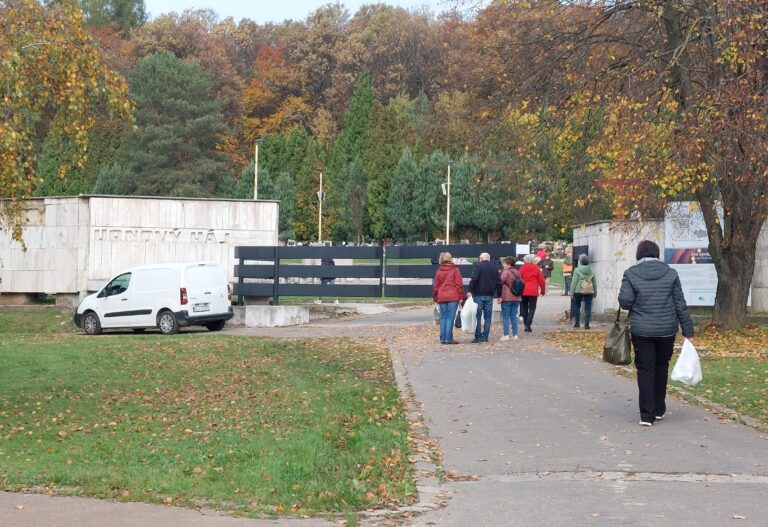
687	368
469	316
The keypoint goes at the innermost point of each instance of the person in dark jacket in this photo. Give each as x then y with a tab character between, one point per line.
484	284
651	291
534	282
447	292
547	266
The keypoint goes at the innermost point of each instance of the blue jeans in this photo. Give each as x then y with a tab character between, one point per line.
484	311
447	318
509	311
577	298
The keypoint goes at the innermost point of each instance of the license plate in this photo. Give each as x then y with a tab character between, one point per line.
197	308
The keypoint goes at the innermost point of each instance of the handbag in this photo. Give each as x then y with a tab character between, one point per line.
457	322
618	344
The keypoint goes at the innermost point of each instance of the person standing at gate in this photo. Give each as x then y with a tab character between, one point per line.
584	289
534	282
326	280
484	284
447	292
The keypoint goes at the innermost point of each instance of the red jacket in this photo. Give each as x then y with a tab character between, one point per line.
447	286
533	279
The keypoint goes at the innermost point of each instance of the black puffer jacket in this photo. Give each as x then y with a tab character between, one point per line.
651	290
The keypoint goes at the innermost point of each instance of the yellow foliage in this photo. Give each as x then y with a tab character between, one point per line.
51	70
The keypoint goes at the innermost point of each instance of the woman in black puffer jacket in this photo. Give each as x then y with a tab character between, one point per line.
651	291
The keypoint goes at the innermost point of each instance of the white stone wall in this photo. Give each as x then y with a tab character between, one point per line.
612	247
75	244
760	277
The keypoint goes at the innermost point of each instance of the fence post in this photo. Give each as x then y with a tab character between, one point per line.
382	274
240	281
276	278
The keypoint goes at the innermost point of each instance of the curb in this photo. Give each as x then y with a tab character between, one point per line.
430	495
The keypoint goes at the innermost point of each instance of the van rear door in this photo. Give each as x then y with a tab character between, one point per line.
207	290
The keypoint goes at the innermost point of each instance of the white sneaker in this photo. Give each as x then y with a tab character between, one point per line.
659	417
515	337
505	337
645	423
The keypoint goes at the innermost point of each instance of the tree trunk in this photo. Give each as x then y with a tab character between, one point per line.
732	244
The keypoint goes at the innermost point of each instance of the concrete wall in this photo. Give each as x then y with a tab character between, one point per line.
612	247
760	278
75	244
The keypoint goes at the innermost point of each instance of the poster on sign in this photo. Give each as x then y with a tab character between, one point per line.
687	251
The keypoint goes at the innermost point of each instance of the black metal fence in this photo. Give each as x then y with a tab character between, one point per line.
379	271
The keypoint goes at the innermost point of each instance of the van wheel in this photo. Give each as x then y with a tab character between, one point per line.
167	323
215	326
91	324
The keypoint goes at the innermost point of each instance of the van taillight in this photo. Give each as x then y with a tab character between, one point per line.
229	292
183	295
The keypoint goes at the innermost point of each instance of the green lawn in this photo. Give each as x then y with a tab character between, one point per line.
250	425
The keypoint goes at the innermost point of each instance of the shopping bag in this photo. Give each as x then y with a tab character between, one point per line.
688	367
457	322
469	315
618	344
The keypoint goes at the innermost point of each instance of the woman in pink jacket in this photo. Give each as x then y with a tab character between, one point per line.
447	291
510	303
534	281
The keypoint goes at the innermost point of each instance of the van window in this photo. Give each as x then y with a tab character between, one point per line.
148	280
206	276
118	285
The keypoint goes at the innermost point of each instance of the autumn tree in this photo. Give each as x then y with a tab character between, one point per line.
52	79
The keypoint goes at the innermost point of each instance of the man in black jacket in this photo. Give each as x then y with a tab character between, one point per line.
484	284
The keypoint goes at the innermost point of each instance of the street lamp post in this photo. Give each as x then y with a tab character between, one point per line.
320	199
447	193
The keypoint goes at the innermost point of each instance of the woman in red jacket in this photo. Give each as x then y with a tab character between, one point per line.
447	291
534	280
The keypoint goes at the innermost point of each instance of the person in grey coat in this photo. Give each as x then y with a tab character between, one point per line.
651	291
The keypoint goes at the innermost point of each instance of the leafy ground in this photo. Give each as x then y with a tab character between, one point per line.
251	425
734	363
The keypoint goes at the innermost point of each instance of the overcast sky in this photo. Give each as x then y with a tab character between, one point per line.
262	11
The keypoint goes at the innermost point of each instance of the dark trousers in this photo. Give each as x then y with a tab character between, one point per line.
527	310
652	356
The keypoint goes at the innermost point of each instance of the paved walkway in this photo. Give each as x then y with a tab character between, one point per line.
529	435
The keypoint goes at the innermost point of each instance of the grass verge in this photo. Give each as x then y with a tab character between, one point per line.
734	364
249	425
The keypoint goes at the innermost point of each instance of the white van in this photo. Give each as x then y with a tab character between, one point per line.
164	296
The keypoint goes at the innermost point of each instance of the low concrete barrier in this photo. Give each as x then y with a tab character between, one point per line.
271	316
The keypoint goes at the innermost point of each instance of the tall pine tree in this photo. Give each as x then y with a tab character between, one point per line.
349	145
173	150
